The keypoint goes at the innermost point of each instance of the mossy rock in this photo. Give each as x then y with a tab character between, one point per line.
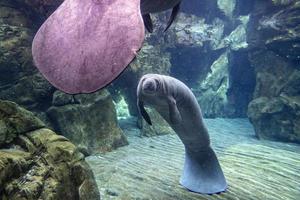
15	120
36	163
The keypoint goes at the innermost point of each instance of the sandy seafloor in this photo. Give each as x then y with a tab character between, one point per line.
150	168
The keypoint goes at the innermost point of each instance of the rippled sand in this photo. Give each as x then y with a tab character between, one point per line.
149	168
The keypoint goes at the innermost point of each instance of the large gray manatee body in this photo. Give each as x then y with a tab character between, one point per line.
176	103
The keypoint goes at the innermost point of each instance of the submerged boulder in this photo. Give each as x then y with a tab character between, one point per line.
89	121
15	120
36	163
276	118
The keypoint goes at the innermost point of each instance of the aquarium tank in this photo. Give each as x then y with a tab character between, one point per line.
149	99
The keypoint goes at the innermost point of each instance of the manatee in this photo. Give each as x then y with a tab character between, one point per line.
85	44
154	6
175	102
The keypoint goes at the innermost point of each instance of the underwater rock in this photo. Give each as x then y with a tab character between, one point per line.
151	58
273	37
42	8
89	121
196	46
236	40
121	108
193	31
285	32
15	120
15	42
207	9
277	28
276	118
274	112
283	2
227	7
31	91
19	79
211	92
35	163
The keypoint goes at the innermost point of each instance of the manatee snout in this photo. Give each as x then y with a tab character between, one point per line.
149	85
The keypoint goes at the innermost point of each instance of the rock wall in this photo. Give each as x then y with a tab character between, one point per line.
208	61
35	163
274	40
19	79
89	121
92	123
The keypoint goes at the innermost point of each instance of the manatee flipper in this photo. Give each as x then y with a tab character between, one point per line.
174	114
144	112
202	172
78	48
175	12
148	22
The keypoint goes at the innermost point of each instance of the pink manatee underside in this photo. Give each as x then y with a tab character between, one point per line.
85	44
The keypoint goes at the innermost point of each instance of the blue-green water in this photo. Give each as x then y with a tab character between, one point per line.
241	60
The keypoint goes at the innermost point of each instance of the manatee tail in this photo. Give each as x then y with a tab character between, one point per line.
202	172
